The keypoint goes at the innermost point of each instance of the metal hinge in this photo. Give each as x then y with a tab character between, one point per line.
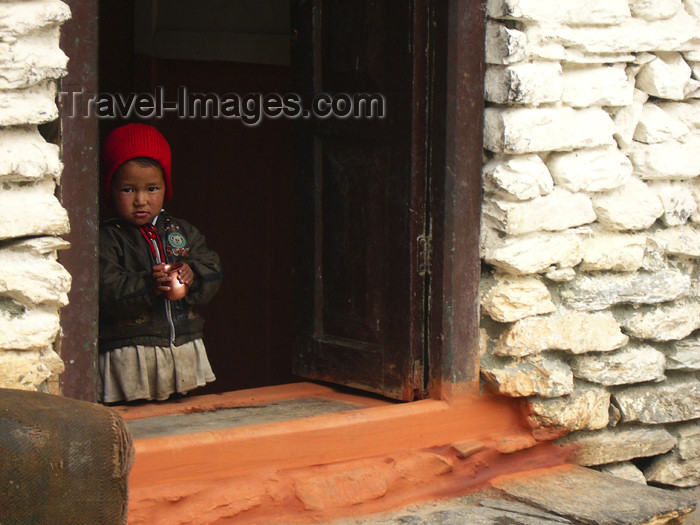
425	247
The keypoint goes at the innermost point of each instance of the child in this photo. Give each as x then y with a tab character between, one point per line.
150	347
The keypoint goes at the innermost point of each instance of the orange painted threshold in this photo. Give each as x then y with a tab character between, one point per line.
319	468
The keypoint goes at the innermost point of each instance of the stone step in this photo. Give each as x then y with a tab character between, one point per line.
565	495
239	457
588	496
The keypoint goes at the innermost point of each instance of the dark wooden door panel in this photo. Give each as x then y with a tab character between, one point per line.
359	200
354	238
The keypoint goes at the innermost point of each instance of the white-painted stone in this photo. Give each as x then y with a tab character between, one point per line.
31	210
32	59
670	469
655	9
693	7
586	408
596	86
617	444
662	322
533	253
695	190
674	160
560	275
27	370
543	42
33	280
692	89
529	130
695	281
633	35
673	400
631	207
32	105
542	375
575	332
654	258
606	251
516	297
523	177
558	52
655	125
591	170
684	355
503	45
627	118
603	289
531	83
564	11
665	77
677	199
18	19
640	59
559	210
624	470
635	363
632	68
26	156
32	284
683	241
489	237
618	252
694	67
26	329
48	246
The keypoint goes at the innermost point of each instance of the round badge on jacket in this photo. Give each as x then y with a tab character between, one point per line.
177	240
177	245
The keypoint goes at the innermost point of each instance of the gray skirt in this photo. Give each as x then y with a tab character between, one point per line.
152	372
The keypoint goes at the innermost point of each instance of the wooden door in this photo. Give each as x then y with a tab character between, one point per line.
359	187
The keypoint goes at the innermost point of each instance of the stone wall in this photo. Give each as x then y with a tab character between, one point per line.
590	234
591	228
33	286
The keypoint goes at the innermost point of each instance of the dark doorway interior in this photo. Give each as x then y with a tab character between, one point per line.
235	183
230	180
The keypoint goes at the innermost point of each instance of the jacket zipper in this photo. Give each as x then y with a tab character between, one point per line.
168	306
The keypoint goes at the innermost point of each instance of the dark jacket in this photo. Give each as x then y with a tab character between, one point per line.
130	311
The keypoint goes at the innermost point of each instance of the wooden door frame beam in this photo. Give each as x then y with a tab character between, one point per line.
79	195
456	198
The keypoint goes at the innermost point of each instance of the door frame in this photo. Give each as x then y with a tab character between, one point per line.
456	123
78	192
455	164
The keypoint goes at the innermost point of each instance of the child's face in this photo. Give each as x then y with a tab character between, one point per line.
138	192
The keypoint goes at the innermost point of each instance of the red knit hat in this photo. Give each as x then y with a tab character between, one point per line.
132	141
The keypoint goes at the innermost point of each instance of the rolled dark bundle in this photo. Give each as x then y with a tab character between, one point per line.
62	461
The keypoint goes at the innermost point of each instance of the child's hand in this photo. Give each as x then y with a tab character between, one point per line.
185	274
161	279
